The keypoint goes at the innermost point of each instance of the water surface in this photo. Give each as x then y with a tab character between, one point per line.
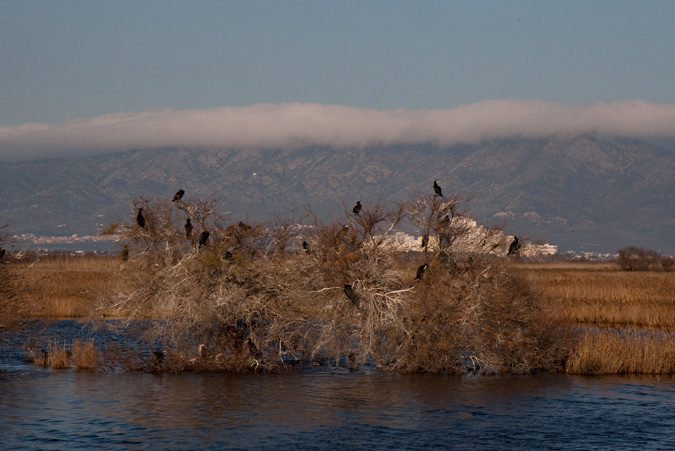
324	408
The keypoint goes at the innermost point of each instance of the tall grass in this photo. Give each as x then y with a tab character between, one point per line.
605	295
627	318
82	355
623	351
66	286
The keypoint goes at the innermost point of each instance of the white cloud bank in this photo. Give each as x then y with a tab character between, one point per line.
299	124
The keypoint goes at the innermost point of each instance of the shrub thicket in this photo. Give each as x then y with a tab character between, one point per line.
638	259
273	295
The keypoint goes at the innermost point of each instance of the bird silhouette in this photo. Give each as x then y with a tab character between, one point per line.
514	248
44	356
178	196
157	357
2	252
140	220
204	237
437	189
357	207
188	227
420	271
351	294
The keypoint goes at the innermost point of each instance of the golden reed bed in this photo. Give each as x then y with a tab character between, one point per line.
624	322
626	319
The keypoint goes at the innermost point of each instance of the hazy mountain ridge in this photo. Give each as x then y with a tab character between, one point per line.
581	192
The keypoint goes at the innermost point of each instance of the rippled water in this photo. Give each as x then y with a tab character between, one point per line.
65	409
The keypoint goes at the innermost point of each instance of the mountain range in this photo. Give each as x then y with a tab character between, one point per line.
583	193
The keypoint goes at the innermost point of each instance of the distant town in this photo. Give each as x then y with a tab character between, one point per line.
405	242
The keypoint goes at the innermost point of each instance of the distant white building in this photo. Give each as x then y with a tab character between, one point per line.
469	237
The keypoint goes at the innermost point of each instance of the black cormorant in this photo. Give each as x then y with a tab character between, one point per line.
204	237
437	189
514	248
420	271
188	227
357	207
157	357
178	195
351	294
45	357
140	220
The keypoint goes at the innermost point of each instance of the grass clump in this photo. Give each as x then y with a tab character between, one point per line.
82	356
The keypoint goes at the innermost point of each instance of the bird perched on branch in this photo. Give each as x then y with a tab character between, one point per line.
178	196
514	248
437	189
204	237
188	227
351	294
420	271
140	220
357	208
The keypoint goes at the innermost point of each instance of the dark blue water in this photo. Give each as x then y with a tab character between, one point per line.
65	409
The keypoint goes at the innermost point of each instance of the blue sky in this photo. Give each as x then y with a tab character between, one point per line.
63	60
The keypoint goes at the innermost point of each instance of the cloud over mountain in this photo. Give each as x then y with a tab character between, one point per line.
292	125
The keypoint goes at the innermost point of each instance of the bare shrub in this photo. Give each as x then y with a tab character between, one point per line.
478	316
269	297
370	323
637	259
667	263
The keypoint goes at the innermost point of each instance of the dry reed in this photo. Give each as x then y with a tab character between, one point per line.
627	318
85	355
623	351
604	295
82	356
66	286
59	356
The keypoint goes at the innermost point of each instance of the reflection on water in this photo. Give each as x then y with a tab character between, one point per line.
50	409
